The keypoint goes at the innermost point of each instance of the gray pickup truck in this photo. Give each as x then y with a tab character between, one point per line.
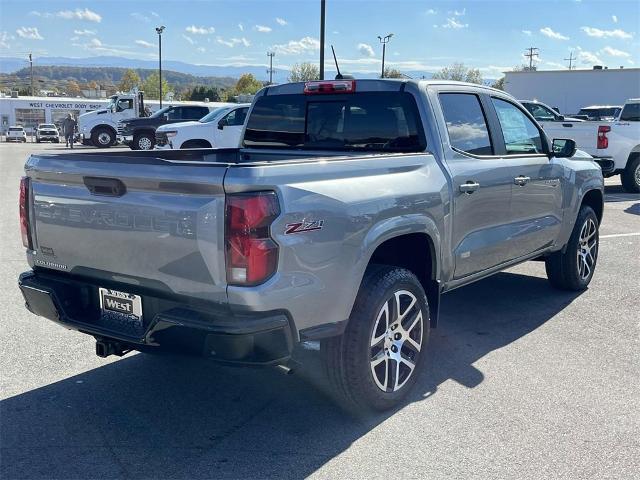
350	207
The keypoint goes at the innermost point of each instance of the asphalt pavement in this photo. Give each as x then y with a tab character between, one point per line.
523	381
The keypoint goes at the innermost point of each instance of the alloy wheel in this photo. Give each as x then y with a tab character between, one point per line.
144	143
587	249
396	341
104	138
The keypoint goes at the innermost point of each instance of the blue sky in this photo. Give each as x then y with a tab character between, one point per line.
490	35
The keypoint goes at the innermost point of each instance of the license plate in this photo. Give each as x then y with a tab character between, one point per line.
112	301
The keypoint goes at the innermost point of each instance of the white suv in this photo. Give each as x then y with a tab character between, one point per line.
221	128
16	134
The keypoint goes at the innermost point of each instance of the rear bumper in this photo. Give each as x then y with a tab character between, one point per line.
169	324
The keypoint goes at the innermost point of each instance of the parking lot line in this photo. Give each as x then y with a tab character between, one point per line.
614	235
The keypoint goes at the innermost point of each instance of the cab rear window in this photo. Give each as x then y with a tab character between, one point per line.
376	121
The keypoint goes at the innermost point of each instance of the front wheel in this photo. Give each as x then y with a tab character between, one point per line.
631	176
573	269
102	138
377	360
143	141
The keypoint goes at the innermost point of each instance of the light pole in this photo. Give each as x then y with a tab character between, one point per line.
384	41
270	55
322	15
31	66
159	31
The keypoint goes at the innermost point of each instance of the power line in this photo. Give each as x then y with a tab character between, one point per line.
570	59
532	52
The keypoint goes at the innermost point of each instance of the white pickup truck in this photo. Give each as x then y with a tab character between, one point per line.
615	145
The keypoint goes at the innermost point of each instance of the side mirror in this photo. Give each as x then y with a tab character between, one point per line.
221	124
563	148
561	118
166	117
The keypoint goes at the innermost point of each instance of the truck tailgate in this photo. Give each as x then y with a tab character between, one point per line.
148	223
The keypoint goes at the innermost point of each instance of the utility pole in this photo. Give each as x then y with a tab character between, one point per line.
322	17
159	31
31	66
384	41
570	59
532	52
270	71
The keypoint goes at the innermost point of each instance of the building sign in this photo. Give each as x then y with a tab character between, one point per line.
70	106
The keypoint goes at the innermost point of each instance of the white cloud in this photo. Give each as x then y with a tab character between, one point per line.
79	14
596	32
588	58
189	39
458	13
141	17
262	28
241	27
145	44
614	52
366	50
296	47
555	64
201	49
547	32
431	11
4	40
200	30
455	24
527	32
281	21
155	14
30	33
614	18
84	32
232	42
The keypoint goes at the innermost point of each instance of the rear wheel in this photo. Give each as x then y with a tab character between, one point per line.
377	360
573	269
102	137
143	141
631	175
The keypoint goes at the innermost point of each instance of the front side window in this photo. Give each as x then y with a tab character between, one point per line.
466	124
124	104
521	135
235	118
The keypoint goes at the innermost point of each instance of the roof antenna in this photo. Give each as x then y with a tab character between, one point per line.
339	76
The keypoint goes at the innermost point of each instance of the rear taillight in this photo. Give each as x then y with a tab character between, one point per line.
603	141
251	253
24	213
331	86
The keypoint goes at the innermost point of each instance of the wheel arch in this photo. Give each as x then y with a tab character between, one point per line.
105	126
200	142
417	252
594	199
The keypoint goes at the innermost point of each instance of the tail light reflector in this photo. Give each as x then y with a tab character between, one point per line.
251	253
331	86
603	140
24	213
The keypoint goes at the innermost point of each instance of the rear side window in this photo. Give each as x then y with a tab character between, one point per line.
372	121
521	135
466	123
631	113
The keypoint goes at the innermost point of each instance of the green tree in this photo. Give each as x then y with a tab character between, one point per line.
151	87
392	73
200	93
73	88
459	72
247	84
129	80
304	72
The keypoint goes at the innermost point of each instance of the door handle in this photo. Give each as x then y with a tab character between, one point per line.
521	180
469	187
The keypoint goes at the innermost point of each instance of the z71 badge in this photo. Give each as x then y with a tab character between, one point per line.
304	226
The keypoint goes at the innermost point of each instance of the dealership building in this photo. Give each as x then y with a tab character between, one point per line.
570	90
31	111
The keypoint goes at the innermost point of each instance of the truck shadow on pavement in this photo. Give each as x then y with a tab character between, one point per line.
151	416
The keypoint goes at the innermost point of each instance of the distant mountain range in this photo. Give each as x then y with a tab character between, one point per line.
13	64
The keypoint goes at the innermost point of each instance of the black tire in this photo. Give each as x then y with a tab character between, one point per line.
143	141
631	175
196	144
37	140
99	137
566	271
347	358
